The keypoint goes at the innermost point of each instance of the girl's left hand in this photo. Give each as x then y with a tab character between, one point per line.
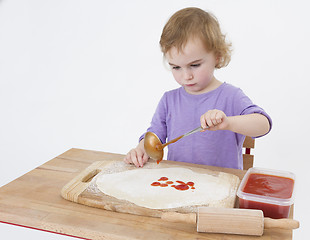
214	119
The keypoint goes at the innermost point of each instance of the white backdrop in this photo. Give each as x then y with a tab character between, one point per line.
89	74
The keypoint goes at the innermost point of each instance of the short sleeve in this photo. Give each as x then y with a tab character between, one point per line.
244	106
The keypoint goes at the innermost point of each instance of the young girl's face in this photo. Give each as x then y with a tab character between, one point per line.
193	67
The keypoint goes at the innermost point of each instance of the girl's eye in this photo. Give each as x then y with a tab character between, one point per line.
195	65
175	67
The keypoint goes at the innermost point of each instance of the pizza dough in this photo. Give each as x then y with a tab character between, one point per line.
136	186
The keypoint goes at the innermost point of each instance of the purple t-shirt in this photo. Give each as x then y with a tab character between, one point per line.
179	112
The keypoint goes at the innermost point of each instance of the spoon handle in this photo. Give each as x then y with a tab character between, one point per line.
178	138
193	131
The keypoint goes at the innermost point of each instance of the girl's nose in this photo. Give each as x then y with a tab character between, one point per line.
188	75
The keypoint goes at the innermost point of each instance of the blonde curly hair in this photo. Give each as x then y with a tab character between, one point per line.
194	22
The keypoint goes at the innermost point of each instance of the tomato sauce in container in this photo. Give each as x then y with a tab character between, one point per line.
269	190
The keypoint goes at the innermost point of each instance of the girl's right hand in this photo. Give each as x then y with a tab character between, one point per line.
137	156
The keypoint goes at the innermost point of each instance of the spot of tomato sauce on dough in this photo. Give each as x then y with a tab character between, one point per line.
155	184
182	186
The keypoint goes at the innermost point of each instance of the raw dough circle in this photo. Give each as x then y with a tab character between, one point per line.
135	186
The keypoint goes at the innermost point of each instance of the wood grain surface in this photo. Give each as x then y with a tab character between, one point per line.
34	200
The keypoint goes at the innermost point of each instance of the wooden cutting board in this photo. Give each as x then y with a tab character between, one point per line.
83	190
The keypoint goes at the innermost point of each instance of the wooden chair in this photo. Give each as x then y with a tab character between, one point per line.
248	158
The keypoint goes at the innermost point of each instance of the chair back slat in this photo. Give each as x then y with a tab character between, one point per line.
249	142
248	158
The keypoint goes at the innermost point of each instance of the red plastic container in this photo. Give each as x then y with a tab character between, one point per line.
269	190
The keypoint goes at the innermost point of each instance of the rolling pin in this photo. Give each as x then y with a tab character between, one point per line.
230	220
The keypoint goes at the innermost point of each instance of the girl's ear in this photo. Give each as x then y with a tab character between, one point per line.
217	60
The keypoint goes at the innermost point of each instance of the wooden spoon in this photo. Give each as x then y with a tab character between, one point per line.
155	149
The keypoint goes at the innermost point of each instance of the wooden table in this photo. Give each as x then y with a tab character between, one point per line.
34	201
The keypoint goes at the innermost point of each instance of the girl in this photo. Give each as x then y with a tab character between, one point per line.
194	47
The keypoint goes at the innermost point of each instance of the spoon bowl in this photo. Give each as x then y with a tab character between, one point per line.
155	149
152	146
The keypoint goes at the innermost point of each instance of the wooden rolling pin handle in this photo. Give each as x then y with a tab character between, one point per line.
284	223
190	218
